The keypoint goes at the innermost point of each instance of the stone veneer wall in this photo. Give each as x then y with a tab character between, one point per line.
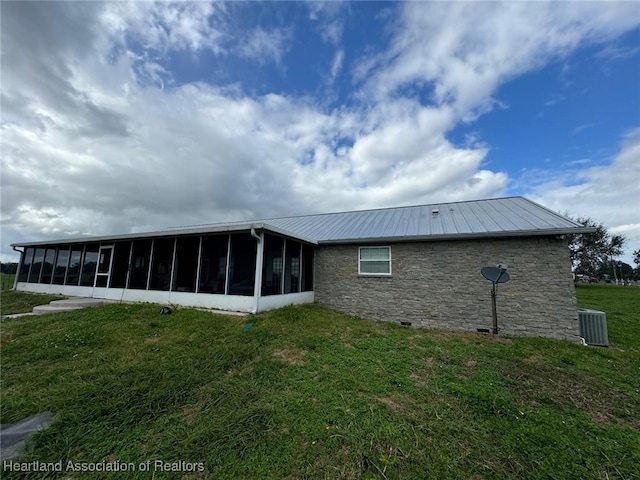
439	285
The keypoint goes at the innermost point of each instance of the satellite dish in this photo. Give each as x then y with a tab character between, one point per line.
495	274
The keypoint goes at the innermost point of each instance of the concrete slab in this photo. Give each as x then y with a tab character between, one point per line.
69	304
79	302
42	309
15	315
13	437
224	312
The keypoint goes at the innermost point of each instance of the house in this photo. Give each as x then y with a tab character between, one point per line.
417	266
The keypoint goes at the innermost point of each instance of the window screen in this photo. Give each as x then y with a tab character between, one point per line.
375	261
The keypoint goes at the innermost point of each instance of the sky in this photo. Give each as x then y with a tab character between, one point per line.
123	117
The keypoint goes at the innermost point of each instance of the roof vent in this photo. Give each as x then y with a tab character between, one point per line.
435	212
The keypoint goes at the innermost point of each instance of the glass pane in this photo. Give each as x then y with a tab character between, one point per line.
272	265
307	268
47	266
73	272
36	267
292	267
89	265
242	264
101	280
140	264
120	264
162	261
213	264
184	276
60	269
374	253
105	260
375	267
27	259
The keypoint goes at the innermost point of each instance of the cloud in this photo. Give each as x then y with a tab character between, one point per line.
263	45
99	138
165	26
607	193
462	52
336	65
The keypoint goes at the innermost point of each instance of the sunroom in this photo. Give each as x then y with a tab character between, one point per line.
246	268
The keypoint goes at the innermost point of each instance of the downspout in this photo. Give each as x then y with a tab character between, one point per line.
15	280
257	284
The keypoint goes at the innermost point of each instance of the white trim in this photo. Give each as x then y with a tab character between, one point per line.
234	303
227	266
377	274
198	266
300	270
129	266
108	274
284	265
272	302
150	266
257	274
173	266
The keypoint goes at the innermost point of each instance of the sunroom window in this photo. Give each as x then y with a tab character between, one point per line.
374	261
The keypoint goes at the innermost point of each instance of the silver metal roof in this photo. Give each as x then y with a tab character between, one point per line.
513	216
498	217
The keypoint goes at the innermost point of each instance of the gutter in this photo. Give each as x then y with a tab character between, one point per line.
15	280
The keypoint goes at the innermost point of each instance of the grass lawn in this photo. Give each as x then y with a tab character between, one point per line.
23	302
6	281
303	392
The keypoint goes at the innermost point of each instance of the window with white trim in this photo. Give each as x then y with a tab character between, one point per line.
374	261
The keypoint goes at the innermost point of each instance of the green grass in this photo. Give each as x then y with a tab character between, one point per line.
303	392
6	281
23	302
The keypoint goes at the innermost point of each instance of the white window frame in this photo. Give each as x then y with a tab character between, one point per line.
369	274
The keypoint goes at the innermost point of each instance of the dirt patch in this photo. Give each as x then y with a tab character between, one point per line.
396	403
190	413
419	380
535	359
154	339
533	383
291	356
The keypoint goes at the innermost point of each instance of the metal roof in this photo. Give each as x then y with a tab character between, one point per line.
513	216
497	217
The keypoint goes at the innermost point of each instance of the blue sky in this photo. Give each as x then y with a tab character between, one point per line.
121	117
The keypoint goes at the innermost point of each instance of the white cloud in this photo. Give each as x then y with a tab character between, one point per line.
99	139
609	194
465	50
263	45
336	65
166	25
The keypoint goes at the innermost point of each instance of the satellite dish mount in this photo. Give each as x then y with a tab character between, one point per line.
495	275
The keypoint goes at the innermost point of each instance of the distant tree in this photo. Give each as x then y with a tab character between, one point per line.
595	252
8	267
621	269
636	260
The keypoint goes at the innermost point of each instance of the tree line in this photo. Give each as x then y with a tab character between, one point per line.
8	268
595	255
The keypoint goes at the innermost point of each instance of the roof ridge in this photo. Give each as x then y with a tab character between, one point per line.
349	211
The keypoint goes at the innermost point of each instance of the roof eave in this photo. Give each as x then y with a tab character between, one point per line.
170	233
